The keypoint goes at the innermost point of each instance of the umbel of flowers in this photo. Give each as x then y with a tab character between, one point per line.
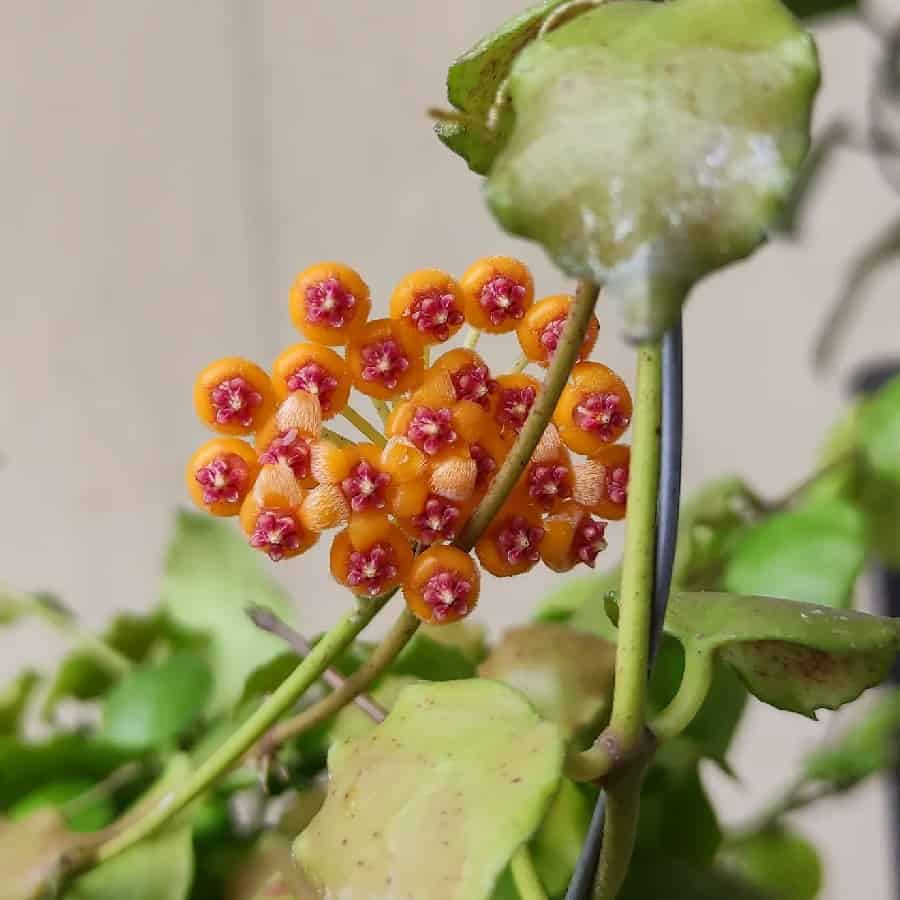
402	498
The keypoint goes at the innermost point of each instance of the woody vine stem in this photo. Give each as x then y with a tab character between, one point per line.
311	668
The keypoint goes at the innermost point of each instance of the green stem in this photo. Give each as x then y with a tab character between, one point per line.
115	663
525	876
623	801
240	741
471	339
363	425
693	690
335	438
383	410
636	593
350	688
564	359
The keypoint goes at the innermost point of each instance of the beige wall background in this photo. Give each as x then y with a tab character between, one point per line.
165	170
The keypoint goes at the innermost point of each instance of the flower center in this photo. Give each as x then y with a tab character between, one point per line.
223	479
502	298
484	463
372	569
589	540
515	404
447	594
473	383
617	485
435	313
365	487
550	335
431	429
384	362
292	450
601	414
438	521
234	400
315	380
519	541
276	533
546	483
328	303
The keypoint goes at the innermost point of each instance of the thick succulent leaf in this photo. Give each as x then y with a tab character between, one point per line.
654	143
468	637
267	871
473	81
211	576
867	747
796	656
81	676
778	862
567	674
90	813
153	704
813	554
673	795
656	875
463	770
28	765
428	658
879	431
14	699
29	852
575	593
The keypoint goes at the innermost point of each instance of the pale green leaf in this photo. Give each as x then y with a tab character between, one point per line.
464	768
654	143
211	576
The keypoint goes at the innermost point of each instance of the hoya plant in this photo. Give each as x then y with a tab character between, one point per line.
220	753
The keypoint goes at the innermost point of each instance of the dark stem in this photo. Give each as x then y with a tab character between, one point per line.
266	620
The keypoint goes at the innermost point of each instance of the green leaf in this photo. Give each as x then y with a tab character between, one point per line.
473	82
795	656
82	817
268	871
28	765
14	699
656	875
211	576
811	8
160	867
154	704
777	861
576	593
426	658
879	431
868	747
465	768
654	143
672	796
813	554
567	674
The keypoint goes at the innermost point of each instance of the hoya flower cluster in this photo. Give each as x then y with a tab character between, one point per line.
401	498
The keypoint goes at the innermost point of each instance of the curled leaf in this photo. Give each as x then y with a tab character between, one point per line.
654	143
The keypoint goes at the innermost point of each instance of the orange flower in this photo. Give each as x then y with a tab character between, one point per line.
316	370
515	397
371	556
539	332
511	544
498	291
572	536
233	396
430	302
270	515
385	359
329	303
442	586
601	483
470	377
594	409
220	475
